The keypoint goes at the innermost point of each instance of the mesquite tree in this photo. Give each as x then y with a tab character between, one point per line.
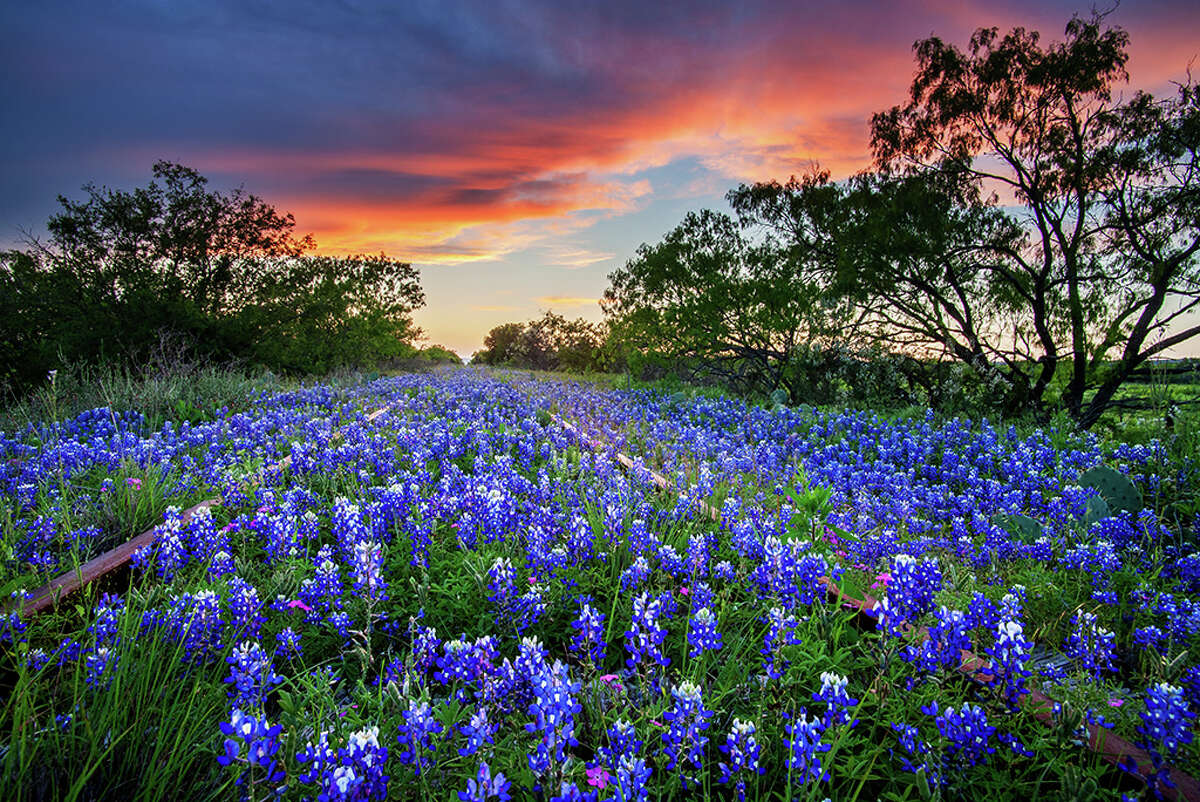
1106	192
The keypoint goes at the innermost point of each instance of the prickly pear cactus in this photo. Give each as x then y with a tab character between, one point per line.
1022	527
1115	487
1097	509
780	397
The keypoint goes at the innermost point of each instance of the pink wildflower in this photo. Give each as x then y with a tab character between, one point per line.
136	484
881	581
1115	702
297	603
598	776
683	591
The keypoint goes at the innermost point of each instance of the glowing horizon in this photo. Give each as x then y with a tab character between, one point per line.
517	154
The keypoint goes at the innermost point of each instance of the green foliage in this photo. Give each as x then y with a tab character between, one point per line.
550	342
223	271
1061	293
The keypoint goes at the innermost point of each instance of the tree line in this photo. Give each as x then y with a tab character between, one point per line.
225	273
1022	231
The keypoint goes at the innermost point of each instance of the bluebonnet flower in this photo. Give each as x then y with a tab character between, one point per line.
914	748
367	566
457	663
288	644
416	735
967	731
323	592
353	773
485	786
588	640
947	640
12	627
569	792
1010	653
502	584
724	571
697	557
910	592
341	623
645	637
100	665
221	565
1092	645
553	711
742	750
781	632
683	740
528	608
632	780
1149	637
478	731
633	576
108	618
1166	726
804	747
702	634
425	645
251	675
245	608
622	740
168	552
195	621
252	743
983	613
702	596
1190	682
838	702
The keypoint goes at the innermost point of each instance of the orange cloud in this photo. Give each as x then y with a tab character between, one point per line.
561	300
490	177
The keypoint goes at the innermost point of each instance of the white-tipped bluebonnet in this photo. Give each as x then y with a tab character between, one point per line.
251	675
287	644
742	751
804	746
645	637
702	633
838	701
352	773
781	632
1009	654
966	731
1092	645
632	780
554	709
683	742
1166	727
588	640
366	562
478	731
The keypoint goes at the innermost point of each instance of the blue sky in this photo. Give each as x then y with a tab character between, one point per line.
517	152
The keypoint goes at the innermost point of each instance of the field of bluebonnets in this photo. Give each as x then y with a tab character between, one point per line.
462	599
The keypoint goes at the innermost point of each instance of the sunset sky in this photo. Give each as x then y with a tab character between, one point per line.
517	152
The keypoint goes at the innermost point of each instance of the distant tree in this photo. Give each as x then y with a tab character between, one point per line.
710	297
224	269
439	354
550	342
498	344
